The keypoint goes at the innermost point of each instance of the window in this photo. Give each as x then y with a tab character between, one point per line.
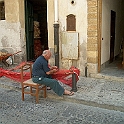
2	10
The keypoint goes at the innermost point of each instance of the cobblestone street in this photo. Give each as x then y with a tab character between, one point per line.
100	93
15	111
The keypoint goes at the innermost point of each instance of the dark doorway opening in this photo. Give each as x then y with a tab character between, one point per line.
112	35
36	28
114	68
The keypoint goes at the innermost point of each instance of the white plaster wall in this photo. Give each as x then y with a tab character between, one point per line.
50	22
79	9
50	26
10	36
107	6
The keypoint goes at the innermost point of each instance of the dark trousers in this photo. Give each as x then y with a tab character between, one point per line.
52	83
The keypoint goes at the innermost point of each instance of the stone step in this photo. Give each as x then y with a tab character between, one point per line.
107	77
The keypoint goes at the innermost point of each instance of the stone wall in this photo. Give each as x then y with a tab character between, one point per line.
93	33
12	36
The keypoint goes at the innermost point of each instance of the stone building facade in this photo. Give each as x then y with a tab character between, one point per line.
84	31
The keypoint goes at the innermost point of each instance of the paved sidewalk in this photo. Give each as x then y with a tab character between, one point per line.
98	92
101	93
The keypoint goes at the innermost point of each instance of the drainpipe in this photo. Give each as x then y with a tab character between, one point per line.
56	33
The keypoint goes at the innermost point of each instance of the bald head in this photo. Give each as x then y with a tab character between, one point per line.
46	54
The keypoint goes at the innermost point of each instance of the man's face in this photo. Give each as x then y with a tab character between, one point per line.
48	55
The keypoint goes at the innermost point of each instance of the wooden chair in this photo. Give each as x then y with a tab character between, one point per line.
28	86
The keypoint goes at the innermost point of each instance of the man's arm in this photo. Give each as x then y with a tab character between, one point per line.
52	71
53	67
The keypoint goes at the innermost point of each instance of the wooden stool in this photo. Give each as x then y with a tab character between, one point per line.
29	83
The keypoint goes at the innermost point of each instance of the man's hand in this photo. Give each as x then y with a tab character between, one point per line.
53	67
52	71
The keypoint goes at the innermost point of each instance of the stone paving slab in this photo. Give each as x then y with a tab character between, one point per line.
90	91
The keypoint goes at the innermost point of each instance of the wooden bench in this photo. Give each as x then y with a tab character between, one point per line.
28	86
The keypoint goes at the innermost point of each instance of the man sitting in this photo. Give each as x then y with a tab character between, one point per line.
41	74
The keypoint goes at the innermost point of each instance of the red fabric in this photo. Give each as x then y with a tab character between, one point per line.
13	75
63	75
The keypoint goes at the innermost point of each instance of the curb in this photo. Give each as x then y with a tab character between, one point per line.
85	102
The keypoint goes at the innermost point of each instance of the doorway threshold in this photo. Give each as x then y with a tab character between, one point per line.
114	71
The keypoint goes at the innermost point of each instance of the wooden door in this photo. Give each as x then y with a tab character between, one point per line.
29	28
112	36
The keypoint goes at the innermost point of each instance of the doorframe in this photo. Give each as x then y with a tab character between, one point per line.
29	30
94	36
99	32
